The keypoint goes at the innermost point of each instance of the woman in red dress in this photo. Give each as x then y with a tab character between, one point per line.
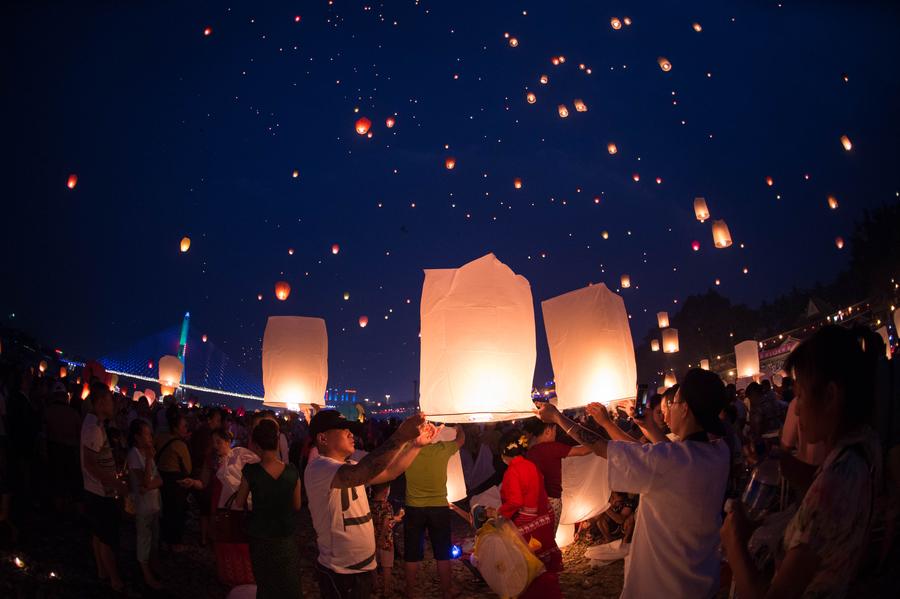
525	503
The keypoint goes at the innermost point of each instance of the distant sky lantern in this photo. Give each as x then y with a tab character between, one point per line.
654	345
563	111
591	348
662	319
636	177
615	23
390	122
746	356
111	381
555	61
625	281
612	148
363	321
697	27
545	79
335	248
695	245
627	21
669	380
297	19
580	106
450	163
290	251
294	361
63	372
259	296
204	338
295	174
363	125
845	141
839	242
149	364
670	340
513	42
207	31
659	180
721	234
530	98
170	370
832	202
664	64
701	211
769	181
605	234
185	244
478	345
517	183
346	295
42	365
704	364
282	290
72	181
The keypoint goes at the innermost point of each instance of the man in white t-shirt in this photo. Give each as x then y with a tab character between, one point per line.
674	551
335	487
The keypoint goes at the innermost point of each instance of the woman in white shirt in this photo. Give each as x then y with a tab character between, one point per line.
231	461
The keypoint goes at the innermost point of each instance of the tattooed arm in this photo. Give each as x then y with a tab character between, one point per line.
549	414
374	463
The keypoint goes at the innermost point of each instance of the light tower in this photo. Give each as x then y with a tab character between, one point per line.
182	342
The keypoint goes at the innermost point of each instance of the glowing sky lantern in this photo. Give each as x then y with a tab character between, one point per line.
150	394
282	290
42	365
290	251
478	347
517	183
669	380
580	106
832	202
625	281
664	64
697	27
335	248
456	480
390	122
654	345
63	372
450	163
185	244
363	321
346	295
662	319
591	349
565	535
845	141
204	338
111	381
555	61
563	111
544	79
295	174
670	341
695	245
615	23
585	487
769	181
701	211
636	177
530	98
513	42
721	234
363	125
297	19
207	31
259	296
170	371
294	361
627	21
72	181
612	148
746	356
704	364
839	242
605	234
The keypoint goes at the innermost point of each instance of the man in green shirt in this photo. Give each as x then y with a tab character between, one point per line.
427	509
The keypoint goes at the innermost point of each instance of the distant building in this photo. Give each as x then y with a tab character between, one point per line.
339	396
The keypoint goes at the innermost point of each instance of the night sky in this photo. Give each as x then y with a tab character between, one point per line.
175	133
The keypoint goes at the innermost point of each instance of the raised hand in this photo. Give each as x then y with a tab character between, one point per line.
428	432
410	428
547	412
599	413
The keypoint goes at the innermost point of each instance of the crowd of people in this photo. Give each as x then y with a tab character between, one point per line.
683	477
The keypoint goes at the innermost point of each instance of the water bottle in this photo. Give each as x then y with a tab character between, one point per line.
762	488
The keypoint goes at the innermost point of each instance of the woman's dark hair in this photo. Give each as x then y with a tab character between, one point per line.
265	435
224	434
513	443
137	425
833	355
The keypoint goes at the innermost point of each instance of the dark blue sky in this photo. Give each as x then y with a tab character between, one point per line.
174	133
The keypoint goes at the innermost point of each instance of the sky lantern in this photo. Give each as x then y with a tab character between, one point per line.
478	347
669	381
832	202
605	234
259	296
72	181
294	361
544	79
450	163
204	338
664	64
670	340
335	248
591	349
845	141
839	242
170	371
580	106
513	42
697	27
530	98
563	111
42	366
390	122
701	211
585	488
704	364
363	321
612	149
625	281
662	319
746	356
615	23
517	183
297	19
654	345
111	381
295	174
721	234
63	372
346	295
627	21
636	177
363	125
290	251
185	244
770	181
695	245
207	31
282	290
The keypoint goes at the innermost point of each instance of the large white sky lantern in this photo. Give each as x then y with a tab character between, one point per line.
170	370
590	347
478	343
670	341
294	361
585	488
746	355
456	480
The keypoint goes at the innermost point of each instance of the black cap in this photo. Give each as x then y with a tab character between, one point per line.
327	420
704	393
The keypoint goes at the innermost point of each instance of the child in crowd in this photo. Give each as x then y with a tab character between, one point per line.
144	482
384	520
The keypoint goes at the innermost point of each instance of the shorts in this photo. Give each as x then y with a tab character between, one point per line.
385	557
103	518
436	520
147	529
